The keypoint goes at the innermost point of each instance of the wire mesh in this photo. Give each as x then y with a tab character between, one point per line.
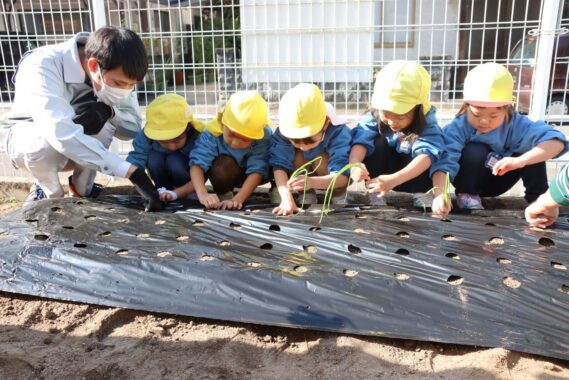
206	50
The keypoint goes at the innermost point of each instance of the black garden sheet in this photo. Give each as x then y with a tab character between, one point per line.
485	280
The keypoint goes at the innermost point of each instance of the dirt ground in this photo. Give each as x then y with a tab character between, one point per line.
44	339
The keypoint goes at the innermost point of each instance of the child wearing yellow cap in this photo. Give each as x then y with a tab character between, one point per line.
490	146
237	158
399	138
164	145
308	128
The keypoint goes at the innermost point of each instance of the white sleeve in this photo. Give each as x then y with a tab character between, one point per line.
40	83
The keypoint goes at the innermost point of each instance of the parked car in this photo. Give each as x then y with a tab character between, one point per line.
523	66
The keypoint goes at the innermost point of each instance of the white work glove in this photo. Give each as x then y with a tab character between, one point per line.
167	195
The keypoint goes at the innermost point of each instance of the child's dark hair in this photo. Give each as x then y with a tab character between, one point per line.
412	132
510	109
113	47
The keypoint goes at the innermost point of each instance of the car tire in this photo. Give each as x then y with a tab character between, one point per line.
559	105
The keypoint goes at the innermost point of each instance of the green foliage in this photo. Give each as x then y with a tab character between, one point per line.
330	190
303	170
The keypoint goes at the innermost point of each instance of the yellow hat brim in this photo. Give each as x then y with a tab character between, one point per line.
253	136
159	135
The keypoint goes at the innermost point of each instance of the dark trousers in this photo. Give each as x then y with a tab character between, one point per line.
386	160
224	174
169	170
475	178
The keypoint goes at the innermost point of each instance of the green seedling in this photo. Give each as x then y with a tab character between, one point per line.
330	190
304	170
446	193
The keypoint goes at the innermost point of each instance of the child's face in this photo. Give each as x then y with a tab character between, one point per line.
485	119
174	144
235	140
311	142
395	121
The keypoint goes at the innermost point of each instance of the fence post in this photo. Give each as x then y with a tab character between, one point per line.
549	24
99	16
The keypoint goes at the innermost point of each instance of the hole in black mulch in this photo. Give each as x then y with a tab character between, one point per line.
41	237
453	256
350	272
124	220
266	246
235	226
80	245
446	220
558	266
160	222
314	229
358	216
105	234
143	236
403	219
564	288
224	243
511	282
183	238
274	227
300	269
353	249
56	209
546	242
164	254
455	280
79	203
31	220
311	249
206	257
91	217
122	252
449	237
68	227
198	223
254	264
495	241
401	276
403	234
503	260
402	252
489	224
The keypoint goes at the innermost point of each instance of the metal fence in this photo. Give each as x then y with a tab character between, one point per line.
206	50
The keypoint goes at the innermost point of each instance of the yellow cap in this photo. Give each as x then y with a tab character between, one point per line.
302	111
489	85
246	113
400	86
167	117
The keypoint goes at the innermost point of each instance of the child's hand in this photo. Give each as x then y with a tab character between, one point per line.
507	164
382	184
167	195
209	200
231	204
440	207
543	212
287	207
359	173
298	183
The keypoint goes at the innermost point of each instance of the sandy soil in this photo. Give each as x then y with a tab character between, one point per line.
46	339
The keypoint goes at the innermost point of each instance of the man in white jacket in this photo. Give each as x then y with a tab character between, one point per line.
71	99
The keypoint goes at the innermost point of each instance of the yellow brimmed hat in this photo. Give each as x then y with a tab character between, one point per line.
246	113
400	86
489	85
302	111
167	117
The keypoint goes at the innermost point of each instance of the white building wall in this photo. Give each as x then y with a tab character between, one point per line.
314	41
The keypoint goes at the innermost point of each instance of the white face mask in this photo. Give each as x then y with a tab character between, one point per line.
110	95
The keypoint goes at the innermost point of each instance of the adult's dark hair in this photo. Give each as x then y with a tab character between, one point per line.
113	47
412	132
